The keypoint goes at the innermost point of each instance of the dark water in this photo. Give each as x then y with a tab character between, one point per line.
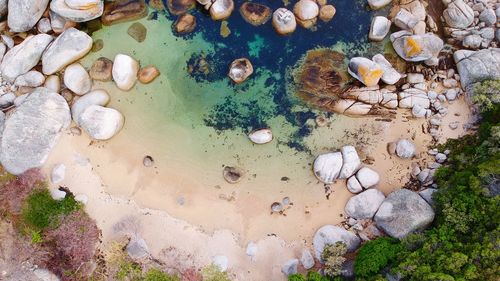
271	55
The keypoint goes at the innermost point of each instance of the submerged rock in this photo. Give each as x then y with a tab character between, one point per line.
186	23
365	204
69	47
23	57
232	174
327	166
284	21
24	14
240	70
330	234
255	14
101	123
101	69
327	12
147	74
402	213
123	11
221	9
77	79
365	70
179	7
261	136
61	8
306	10
40	118
137	31
125	70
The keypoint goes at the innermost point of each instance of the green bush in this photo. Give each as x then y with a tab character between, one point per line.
486	94
375	255
157	275
315	276
296	277
41	211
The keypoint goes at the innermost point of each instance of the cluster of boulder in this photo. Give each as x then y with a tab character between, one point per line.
305	13
369	213
472	23
44	87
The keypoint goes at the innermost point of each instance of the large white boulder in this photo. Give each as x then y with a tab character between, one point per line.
32	130
77	79
24	14
379	28
402	213
458	14
101	123
405	148
306	10
284	21
367	177
390	76
477	66
82	4
350	161
221	9
416	47
23	57
124	71
331	234
62	8
365	204
69	47
31	79
96	97
327	166
365	70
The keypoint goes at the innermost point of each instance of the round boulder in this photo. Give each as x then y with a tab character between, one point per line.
327	166
124	71
261	136
306	10
221	9
284	21
101	69
147	74
405	148
77	79
330	234
365	204
327	12
240	70
402	213
255	14
186	23
367	177
101	123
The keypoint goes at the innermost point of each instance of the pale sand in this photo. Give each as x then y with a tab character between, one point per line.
118	185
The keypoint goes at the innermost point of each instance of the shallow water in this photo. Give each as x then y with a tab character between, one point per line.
193	125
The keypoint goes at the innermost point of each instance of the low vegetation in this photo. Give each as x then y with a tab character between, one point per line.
63	237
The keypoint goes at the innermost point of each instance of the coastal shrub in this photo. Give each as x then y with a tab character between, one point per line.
213	273
375	255
157	275
297	277
72	244
41	211
486	94
463	242
333	257
15	189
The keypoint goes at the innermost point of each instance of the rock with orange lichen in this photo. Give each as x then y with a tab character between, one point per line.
416	47
365	70
147	74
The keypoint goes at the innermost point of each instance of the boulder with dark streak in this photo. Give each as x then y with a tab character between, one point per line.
123	11
255	14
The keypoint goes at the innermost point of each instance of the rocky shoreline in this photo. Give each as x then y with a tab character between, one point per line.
45	91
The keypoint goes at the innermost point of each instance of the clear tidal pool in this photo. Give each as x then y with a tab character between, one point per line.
193	124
